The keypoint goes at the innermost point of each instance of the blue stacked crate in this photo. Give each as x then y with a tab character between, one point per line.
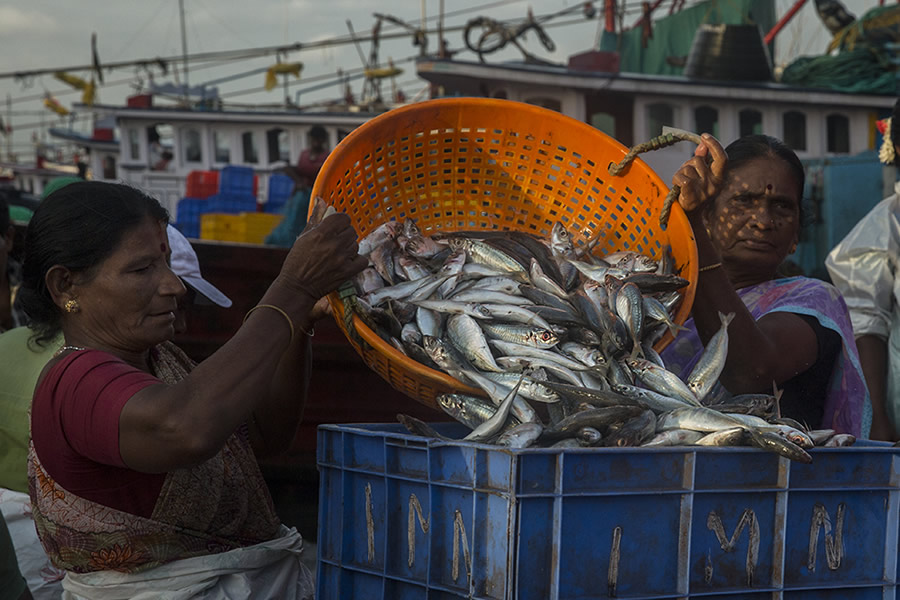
236	191
404	517
229	203
236	180
188	216
279	192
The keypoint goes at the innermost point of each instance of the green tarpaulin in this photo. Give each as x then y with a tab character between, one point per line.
673	35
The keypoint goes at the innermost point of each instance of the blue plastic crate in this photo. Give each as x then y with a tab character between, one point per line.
275	207
231	203
188	216
402	517
189	227
235	179
190	206
279	188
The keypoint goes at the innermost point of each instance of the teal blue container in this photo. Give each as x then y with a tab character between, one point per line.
403	517
840	190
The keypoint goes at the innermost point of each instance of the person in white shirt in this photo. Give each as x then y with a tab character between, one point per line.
863	267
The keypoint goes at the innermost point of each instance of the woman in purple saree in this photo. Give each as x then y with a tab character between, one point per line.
743	203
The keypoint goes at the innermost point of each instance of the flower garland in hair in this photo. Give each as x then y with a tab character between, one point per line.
886	153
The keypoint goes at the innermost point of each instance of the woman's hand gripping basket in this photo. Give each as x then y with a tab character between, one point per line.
465	164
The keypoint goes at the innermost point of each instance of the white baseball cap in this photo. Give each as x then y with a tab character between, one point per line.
187	267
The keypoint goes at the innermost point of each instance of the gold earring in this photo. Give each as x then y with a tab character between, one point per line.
71	306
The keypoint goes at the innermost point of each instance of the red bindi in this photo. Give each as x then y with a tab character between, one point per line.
769	187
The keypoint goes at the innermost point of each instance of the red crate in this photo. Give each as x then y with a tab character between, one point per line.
202	184
140	101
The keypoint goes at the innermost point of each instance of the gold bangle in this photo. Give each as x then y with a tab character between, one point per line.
273	307
709	267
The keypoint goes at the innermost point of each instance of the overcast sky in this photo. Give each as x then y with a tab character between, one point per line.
38	34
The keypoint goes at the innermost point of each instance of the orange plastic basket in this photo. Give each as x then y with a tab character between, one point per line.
463	164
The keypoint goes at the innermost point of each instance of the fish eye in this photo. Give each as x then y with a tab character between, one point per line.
545	336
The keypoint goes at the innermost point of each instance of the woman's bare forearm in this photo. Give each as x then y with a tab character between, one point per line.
275	419
873	358
165	427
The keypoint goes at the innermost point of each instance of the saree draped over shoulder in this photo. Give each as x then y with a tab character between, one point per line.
202	513
847	407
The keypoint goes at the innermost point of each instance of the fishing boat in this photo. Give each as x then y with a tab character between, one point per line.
202	140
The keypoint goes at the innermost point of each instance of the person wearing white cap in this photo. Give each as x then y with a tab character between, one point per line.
863	268
184	263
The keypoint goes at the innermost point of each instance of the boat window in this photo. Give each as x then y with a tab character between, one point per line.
193	150
706	120
658	115
248	143
134	144
222	146
614	116
109	167
605	122
794	123
551	103
750	122
278	145
838	127
160	141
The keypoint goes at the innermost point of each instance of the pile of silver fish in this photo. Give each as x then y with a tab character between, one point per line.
560	341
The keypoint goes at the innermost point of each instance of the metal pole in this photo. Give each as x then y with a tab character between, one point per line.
287	93
441	49
784	21
8	126
184	48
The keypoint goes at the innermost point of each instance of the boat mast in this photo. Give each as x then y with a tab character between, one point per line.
8	125
184	48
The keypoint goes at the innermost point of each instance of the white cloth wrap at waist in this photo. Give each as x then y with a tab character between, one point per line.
271	569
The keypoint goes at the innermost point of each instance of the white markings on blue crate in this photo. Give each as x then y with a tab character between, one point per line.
834	546
415	510
612	572
459	532
370	524
820	520
541	525
748	520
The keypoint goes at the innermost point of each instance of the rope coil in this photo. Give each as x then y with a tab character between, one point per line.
670	138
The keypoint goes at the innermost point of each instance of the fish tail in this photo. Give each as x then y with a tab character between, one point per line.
675	328
777	394
726	319
636	349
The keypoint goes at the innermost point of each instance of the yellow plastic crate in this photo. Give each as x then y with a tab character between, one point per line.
221	227
256	226
248	228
